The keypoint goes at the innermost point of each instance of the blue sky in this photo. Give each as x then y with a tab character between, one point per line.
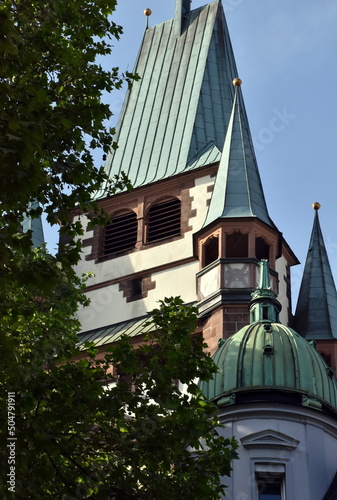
286	54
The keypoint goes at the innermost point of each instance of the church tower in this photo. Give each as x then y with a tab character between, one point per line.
196	223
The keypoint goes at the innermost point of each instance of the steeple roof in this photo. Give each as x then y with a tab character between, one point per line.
238	189
177	114
316	312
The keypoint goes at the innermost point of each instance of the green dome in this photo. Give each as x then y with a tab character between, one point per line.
270	361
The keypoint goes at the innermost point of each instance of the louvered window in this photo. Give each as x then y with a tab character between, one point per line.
120	234
164	220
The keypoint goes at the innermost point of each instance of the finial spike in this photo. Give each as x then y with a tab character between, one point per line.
147	13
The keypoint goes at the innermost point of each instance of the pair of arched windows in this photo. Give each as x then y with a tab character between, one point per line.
162	221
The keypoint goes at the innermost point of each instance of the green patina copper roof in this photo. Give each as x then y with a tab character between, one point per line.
238	189
316	312
176	116
270	357
112	333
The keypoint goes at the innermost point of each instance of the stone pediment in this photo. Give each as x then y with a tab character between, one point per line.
269	439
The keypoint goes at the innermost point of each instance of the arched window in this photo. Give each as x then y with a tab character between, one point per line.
120	234
261	249
163	220
236	245
211	250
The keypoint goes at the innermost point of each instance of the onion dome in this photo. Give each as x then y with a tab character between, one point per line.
268	362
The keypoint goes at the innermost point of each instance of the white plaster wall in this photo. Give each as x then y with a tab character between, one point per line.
310	468
200	198
281	269
108	306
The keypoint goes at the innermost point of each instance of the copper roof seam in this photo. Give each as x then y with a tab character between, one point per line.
295	357
151	35
240	364
122	114
176	67
203	22
163	61
229	131
244	154
161	108
261	361
148	83
123	167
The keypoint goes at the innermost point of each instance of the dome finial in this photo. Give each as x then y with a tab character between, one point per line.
264	306
316	205
237	82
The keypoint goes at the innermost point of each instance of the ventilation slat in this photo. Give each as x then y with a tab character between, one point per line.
164	220
120	234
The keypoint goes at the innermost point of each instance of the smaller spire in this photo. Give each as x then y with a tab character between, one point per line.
238	189
264	305
316	311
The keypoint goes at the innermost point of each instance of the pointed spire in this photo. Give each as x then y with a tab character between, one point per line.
264	305
183	7
316	312
238	189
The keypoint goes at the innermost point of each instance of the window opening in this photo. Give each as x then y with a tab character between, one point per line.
164	220
120	233
270	479
265	311
237	245
136	287
261	249
211	250
270	491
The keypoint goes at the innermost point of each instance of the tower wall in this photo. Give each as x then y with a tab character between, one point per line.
278	442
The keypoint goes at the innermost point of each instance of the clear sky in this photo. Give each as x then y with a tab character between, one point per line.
286	54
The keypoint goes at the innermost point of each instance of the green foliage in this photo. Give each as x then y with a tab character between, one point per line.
82	433
51	110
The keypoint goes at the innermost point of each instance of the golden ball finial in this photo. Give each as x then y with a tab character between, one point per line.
147	12
237	82
316	205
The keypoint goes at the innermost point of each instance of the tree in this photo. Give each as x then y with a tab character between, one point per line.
77	435
83	432
51	112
